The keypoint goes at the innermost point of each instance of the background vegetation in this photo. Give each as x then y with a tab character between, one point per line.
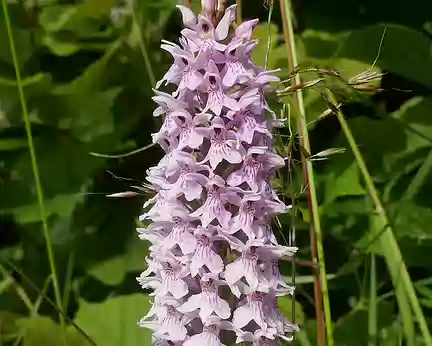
87	71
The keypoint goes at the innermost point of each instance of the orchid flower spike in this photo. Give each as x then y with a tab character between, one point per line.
213	193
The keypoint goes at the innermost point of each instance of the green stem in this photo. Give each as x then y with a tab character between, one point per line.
33	313
404	288
34	164
143	48
239	11
269	39
307	164
372	313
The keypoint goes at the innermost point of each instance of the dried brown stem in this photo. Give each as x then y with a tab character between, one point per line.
318	295
188	3
303	263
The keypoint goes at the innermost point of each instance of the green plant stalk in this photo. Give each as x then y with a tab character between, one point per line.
141	43
307	164
34	164
404	287
269	39
239	11
372	312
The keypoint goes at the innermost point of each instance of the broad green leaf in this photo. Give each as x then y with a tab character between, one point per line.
96	8
23	44
55	18
277	51
59	47
343	183
413	221
286	307
61	205
351	329
92	78
415	114
114	321
44	331
404	51
113	271
90	116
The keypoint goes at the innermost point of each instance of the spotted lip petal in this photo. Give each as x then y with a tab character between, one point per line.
209	220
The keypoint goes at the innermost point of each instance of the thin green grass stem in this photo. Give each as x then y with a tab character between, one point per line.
33	312
34	164
239	11
373	309
404	288
307	164
50	302
141	43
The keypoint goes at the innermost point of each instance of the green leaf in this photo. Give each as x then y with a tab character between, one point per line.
286	307
351	330
277	52
61	205
404	51
413	221
113	271
92	78
345	182
96	8
90	115
415	114
13	144
55	18
44	331
23	44
114	321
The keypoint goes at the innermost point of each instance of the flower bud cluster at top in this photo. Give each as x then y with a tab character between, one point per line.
213	264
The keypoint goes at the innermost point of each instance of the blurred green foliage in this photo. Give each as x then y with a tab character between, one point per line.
88	86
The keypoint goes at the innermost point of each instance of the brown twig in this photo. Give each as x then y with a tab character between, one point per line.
188	3
318	295
303	263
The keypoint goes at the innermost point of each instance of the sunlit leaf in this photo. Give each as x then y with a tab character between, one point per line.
114	321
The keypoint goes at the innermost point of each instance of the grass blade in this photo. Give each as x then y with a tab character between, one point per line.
372	312
404	288
34	163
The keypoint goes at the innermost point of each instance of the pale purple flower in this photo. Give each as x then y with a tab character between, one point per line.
205	255
210	334
210	217
170	325
244	30
188	136
208	301
251	308
258	159
216	97
215	205
238	67
185	70
224	144
259	338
